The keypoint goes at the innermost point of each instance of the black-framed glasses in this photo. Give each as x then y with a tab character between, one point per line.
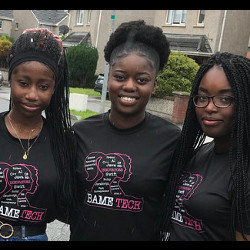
220	101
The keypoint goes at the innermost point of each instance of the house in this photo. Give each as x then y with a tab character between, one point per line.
97	24
197	33
50	19
6	18
219	30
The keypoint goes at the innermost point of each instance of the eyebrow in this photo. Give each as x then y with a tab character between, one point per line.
222	91
125	72
27	78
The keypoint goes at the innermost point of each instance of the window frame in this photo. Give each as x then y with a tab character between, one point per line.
172	17
198	23
80	17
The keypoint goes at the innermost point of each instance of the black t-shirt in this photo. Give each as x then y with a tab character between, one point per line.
203	202
121	176
27	187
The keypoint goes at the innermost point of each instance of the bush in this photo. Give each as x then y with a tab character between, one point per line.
5	45
177	75
82	61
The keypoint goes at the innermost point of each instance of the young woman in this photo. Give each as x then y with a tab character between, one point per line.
36	155
124	154
213	194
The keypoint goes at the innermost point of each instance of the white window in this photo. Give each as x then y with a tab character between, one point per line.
176	16
79	17
1	24
89	16
201	17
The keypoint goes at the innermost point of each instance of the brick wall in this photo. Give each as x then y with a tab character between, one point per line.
172	108
180	106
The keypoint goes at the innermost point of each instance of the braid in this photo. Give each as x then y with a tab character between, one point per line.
192	137
237	70
57	113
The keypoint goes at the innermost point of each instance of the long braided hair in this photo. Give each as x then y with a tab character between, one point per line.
237	70
42	43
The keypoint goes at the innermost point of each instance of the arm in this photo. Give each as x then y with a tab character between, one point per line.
239	236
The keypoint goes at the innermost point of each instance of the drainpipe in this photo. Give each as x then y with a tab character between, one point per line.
98	28
69	21
222	29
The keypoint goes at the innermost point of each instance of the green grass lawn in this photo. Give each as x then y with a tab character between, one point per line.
87	113
84	91
83	114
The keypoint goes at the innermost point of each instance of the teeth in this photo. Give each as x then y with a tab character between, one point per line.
129	99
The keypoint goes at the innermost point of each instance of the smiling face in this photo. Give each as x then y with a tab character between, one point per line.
215	122
32	85
131	82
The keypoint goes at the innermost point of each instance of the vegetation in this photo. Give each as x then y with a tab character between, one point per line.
82	61
84	91
5	44
177	75
87	113
83	114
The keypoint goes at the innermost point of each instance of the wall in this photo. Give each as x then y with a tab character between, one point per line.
25	20
120	17
171	108
236	32
210	28
161	107
6	27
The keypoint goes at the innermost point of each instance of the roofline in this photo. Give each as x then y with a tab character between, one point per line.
7	18
67	14
51	24
35	16
194	53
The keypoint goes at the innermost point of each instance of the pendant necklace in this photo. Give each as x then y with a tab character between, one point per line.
26	152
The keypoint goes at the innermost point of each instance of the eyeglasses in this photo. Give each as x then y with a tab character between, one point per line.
220	101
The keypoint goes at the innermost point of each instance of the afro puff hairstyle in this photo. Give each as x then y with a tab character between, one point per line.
138	31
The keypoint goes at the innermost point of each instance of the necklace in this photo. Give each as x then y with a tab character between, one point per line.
26	152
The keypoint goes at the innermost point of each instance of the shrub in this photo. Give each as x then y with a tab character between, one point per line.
82	61
177	75
5	45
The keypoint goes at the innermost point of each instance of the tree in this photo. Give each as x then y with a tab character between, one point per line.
82	61
177	75
5	45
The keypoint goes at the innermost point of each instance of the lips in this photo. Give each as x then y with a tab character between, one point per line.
211	121
30	107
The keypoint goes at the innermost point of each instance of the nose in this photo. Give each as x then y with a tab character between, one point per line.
32	94
129	85
210	107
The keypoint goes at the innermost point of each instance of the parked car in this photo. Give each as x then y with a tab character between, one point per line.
99	83
1	78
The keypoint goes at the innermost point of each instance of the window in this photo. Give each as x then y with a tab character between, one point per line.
79	17
1	24
201	17
176	16
89	16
